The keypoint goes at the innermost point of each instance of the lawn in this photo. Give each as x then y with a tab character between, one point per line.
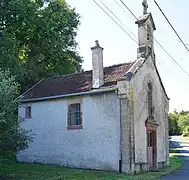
21	171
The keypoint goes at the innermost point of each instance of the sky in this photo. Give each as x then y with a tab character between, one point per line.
120	48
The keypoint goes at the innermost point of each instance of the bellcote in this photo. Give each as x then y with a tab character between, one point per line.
146	28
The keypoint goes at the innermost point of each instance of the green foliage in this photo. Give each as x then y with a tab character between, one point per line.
11	138
173	124
183	123
38	39
179	123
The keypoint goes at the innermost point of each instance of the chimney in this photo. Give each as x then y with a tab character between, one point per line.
97	61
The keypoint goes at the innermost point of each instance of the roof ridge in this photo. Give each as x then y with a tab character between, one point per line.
115	65
65	75
71	74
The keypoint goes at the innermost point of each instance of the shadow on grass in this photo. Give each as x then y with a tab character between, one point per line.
4	176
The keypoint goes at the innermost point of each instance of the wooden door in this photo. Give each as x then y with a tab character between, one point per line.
151	149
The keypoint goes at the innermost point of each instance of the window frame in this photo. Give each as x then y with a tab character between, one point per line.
28	116
150	100
70	125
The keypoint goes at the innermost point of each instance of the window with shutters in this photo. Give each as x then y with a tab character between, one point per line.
74	116
150	105
28	112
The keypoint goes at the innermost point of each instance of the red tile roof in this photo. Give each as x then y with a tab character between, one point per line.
76	83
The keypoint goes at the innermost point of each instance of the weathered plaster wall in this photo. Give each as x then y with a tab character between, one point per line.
147	72
142	34
96	146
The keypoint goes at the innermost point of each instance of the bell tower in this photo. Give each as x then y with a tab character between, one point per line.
146	28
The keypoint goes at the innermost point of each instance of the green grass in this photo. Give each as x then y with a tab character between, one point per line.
21	171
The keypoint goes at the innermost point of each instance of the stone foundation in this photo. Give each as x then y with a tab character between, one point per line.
162	165
141	167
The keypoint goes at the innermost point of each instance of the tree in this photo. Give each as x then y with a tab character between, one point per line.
173	124
40	38
9	59
183	123
11	137
184	112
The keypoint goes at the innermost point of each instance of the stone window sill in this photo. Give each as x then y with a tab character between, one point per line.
75	127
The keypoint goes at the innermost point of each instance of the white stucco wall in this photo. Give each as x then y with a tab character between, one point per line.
96	146
140	80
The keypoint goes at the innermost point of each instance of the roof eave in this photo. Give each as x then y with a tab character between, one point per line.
22	95
161	82
67	95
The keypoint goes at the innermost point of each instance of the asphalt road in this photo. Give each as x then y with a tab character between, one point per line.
183	150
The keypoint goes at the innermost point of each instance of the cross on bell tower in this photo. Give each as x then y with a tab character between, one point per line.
145	7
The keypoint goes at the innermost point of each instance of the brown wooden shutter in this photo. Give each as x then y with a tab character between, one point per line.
28	112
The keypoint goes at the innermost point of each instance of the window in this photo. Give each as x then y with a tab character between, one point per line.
148	36
74	116
148	32
150	108
150	138
28	112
